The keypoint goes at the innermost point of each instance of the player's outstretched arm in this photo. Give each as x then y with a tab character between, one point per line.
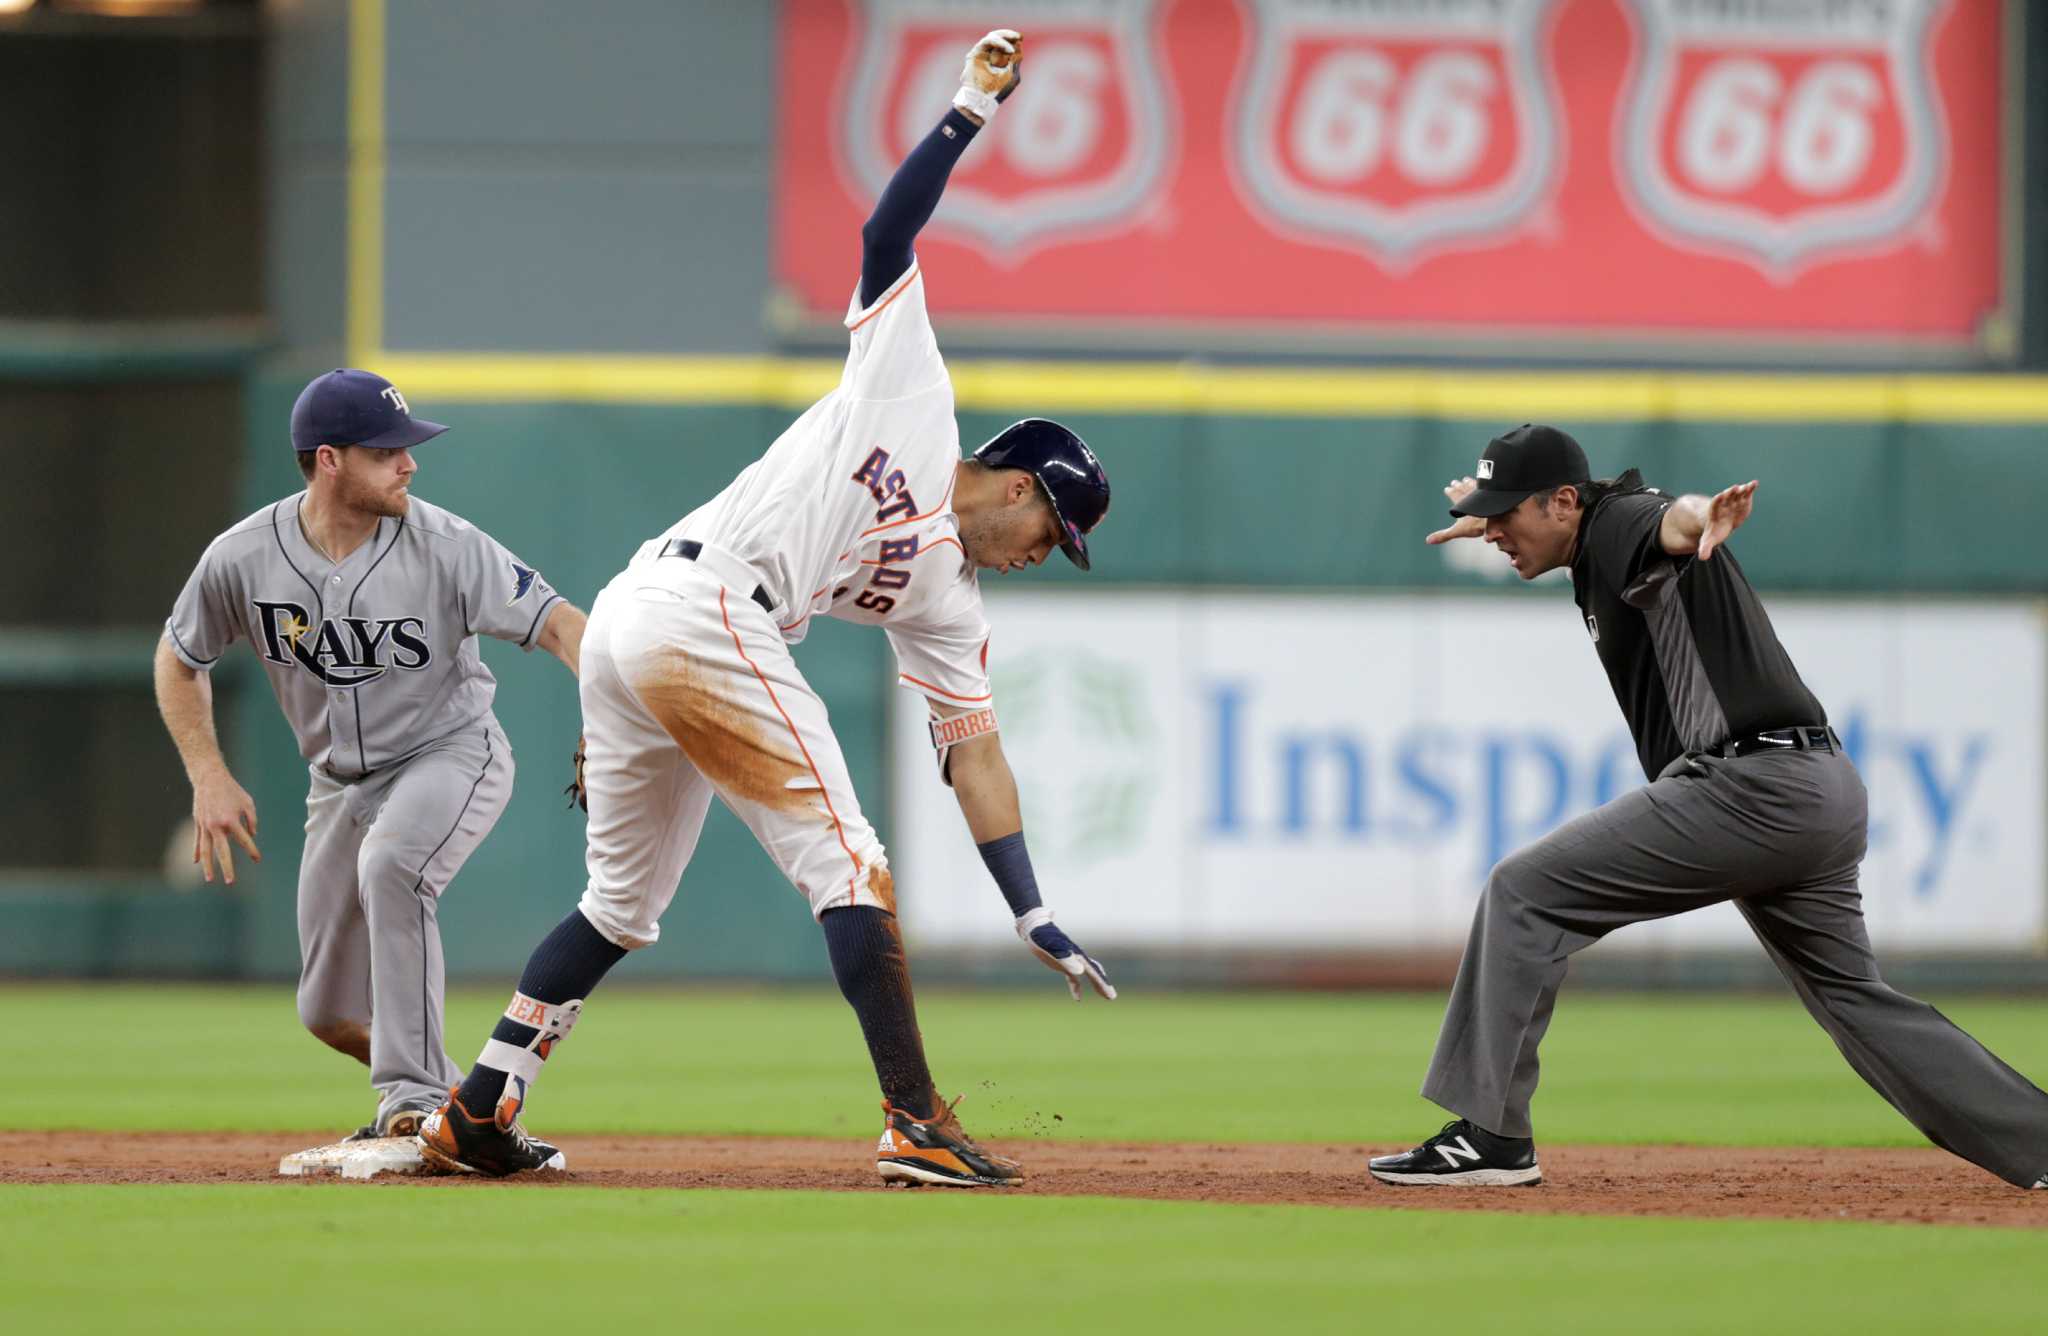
987	792
223	814
1694	526
994	66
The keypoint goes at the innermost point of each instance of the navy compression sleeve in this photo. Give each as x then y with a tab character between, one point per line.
907	204
1010	865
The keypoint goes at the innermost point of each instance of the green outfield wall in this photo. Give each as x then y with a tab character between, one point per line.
1872	508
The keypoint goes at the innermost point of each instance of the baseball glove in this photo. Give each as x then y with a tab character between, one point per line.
578	795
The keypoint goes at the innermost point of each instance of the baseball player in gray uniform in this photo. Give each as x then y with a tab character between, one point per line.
1750	799
363	604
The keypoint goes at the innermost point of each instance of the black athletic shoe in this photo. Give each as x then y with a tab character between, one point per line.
453	1140
1462	1155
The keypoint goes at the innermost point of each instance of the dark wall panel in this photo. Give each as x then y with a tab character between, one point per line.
132	160
578	178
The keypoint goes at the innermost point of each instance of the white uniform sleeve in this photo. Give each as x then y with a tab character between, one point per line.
202	623
944	653
502	596
893	352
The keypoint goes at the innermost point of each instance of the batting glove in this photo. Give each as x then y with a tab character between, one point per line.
991	73
1062	953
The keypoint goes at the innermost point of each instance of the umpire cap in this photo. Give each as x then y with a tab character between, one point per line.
1520	463
1065	467
346	407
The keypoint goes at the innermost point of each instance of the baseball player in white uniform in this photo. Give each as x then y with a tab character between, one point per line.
862	510
363	604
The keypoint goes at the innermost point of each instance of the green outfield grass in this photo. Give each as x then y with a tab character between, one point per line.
1746	1070
1206	1067
334	1259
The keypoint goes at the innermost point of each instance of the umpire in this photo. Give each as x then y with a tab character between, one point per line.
1750	800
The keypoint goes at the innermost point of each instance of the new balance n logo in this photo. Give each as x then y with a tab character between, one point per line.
1454	1151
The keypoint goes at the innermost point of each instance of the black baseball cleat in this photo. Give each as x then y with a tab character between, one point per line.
1462	1155
915	1151
455	1141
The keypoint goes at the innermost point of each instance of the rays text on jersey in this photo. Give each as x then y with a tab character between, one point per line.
343	651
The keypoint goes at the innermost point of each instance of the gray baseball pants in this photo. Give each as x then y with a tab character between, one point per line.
378	854
1781	834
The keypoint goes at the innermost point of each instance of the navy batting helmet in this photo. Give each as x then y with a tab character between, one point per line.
1065	467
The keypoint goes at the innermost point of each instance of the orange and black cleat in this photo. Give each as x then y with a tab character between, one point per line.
915	1151
494	1147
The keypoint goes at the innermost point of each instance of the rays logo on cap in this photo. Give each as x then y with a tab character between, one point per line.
1486	468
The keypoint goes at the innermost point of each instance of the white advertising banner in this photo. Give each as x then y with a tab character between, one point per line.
1330	772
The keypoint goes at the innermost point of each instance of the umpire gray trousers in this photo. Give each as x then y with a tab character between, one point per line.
378	854
1782	835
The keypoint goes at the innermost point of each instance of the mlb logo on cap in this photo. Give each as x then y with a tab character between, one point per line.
1520	463
349	407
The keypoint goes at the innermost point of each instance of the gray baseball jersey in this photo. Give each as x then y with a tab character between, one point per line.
373	658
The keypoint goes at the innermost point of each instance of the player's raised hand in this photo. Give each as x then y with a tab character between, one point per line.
1725	513
223	815
994	66
1063	954
1470	526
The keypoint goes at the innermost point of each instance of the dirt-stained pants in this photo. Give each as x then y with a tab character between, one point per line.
688	690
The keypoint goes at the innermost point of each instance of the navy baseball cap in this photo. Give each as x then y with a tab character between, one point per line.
1065	467
1520	463
346	407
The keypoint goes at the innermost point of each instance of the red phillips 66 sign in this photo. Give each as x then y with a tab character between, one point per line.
1073	158
1709	177
1783	134
1396	128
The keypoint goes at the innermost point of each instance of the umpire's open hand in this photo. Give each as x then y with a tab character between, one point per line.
1063	953
1470	526
1726	511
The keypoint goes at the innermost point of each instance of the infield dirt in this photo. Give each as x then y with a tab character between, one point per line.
1897	1185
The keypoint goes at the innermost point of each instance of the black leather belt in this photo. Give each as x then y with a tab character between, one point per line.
1779	739
689	549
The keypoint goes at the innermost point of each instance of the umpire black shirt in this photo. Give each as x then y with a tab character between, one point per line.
1686	643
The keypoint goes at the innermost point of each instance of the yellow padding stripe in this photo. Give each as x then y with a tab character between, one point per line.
365	289
1173	387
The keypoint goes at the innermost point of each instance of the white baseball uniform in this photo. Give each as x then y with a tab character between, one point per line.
688	685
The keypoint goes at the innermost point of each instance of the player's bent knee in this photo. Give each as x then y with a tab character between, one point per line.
873	886
614	920
1514	877
386	872
340	1033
